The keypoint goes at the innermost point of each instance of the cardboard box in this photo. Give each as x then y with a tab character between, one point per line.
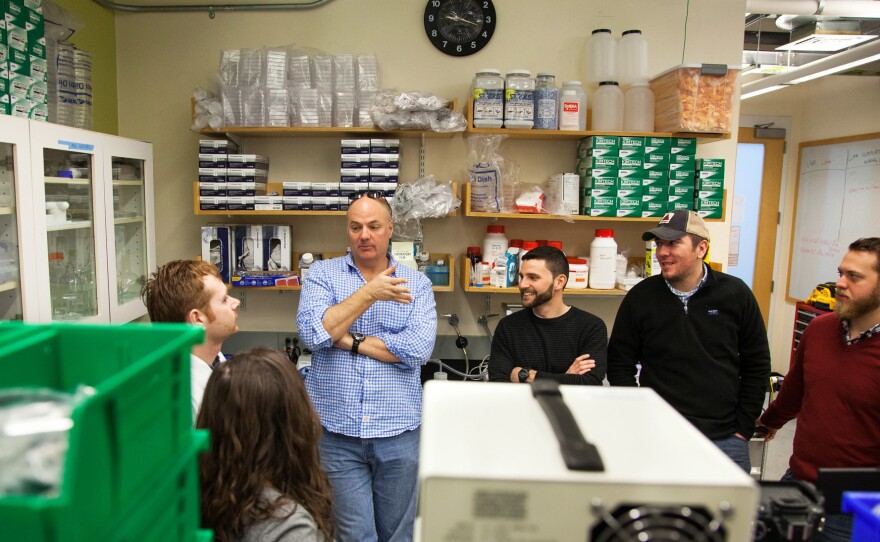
384	160
677	204
355	146
212	190
236	189
601	173
212	203
608	203
387	189
217	247
629	206
296	203
384	175
601	162
385	146
217	146
563	193
264	279
653	208
584	152
710	164
717	175
246	175
352	175
268	203
632	146
717	194
681	176
354	161
711	183
213	160
212	175
598	182
247	161
325	190
681	191
655	176
682	162
657	145
599	141
240	203
277	248
658	191
632	162
248	248
324	203
296	188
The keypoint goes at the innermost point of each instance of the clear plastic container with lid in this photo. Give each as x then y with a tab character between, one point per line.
638	109
519	100
488	99
494	244
608	108
305	261
578	274
546	102
603	260
601	56
632	58
572	106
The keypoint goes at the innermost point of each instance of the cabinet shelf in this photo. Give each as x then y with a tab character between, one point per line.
573	135
7	210
11	285
76	225
128	182
323	131
128	220
466	286
466	204
67	180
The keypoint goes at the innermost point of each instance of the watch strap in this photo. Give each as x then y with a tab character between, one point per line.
357	339
577	453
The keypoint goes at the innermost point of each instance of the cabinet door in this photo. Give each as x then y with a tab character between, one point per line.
131	254
18	284
70	236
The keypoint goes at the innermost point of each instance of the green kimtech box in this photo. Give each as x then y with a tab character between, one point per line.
655	176
601	173
682	161
629	183
609	192
632	146
677	203
585	152
653	208
710	164
625	203
655	190
598	182
709	208
632	161
682	191
711	174
658	145
717	194
683	145
593	142
602	162
657	161
711	183
631	174
131	470
681	176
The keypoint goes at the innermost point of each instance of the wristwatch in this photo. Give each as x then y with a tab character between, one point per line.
358	339
523	375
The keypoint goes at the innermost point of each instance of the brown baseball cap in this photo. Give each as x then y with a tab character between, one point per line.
676	225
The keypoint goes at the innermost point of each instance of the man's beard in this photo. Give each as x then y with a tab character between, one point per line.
540	297
854	309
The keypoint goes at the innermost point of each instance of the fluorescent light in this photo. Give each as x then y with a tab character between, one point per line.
829	65
753	93
825	43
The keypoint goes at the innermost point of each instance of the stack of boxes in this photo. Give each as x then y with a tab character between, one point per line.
232	181
708	198
364	165
23	69
634	176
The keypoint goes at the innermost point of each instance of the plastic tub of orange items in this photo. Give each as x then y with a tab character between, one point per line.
695	98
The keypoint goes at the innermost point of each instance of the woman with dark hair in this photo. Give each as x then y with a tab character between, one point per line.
262	478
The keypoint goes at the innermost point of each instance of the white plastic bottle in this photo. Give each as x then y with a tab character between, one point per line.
572	106
577	274
608	108
494	244
601	56
603	260
305	261
488	99
638	109
519	100
632	58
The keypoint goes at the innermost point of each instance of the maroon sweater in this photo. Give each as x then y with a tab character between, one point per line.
834	391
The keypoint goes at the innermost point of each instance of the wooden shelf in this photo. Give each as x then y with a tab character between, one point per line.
128	182
327	255
128	220
7	286
277	188
67	180
323	131
466	286
466	204
7	210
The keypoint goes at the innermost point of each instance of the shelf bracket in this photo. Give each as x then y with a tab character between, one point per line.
422	153
488	303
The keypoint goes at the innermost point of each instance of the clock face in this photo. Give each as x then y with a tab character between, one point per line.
459	27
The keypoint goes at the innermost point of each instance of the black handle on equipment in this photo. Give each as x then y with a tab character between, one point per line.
577	453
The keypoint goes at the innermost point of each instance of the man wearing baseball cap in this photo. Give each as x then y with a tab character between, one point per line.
699	337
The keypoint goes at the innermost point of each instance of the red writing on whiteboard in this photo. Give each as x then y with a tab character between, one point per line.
863	188
819	246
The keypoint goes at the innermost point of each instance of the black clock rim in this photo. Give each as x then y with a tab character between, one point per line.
479	42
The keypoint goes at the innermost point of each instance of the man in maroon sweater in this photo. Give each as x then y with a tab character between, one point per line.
833	387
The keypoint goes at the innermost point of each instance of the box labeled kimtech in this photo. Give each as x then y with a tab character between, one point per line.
632	146
682	161
677	203
217	146
325	190
631	204
268	203
383	160
690	149
707	204
653	208
598	182
277	248
212	203
353	175
716	194
213	160
599	206
296	188
217	249
296	203
658	145
355	146
597	141
584	152
632	162
39	69
717	175
655	176
19	85
681	176
600	173
716	184
710	164
659	191
240	203
39	111
248	248
681	191
18	62
247	161
212	174
602	162
354	161
213	190
246	175
385	146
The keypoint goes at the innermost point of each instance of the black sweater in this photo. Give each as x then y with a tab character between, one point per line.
711	362
549	345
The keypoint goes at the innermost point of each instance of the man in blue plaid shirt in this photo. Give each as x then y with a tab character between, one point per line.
371	325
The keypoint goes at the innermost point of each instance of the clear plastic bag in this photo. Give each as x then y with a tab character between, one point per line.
414	110
493	177
424	198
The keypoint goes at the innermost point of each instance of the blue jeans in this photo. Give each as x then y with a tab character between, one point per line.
736	449
838	527
374	485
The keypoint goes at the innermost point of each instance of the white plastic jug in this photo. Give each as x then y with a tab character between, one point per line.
638	109
608	108
632	58
603	260
601	56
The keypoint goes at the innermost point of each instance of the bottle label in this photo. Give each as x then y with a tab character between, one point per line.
488	104
570	114
519	105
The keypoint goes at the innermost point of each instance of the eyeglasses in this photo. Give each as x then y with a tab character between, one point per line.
372	194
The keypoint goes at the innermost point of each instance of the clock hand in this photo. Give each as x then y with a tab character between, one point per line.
456	18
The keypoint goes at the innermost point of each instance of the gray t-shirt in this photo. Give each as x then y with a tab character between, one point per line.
296	527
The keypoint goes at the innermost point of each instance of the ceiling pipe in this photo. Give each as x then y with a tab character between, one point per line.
211	9
862	9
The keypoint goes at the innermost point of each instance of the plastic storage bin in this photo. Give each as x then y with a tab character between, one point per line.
865	508
695	98
129	439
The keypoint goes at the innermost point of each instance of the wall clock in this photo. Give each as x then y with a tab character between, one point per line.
460	27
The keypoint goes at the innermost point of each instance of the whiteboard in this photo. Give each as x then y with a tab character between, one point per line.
837	200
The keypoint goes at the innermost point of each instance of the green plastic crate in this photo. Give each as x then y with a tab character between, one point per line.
136	426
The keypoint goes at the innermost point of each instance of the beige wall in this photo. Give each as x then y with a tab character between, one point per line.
830	107
163	57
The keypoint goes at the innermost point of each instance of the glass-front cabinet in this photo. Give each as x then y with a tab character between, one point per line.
91	222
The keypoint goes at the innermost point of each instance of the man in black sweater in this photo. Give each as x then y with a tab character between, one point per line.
699	337
548	339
